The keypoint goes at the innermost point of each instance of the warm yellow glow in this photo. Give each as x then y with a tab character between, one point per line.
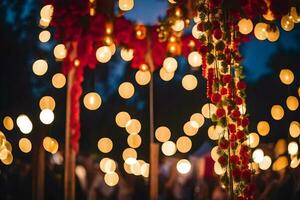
60	51
183	166
294	14
184	144
133	126
215	132
219	170
103	54
145	170
295	162
143	77
44	36
47	102
126	90
162	134
214	153
135	168
122	118
258	155
293	148
40	67
111	179
24	124
105	145
107	165
287	23
195	59
292	103
25	145
50	145
134	141
168	148
178	25
286	76
126	5
170	64
269	15
260	31
129	153
265	163
44	23
112	48
92	101
253	140
127	54
47	12
164	75
8	123
245	26
196	33
198	119
59	80
46	116
9	159
281	163
294	129
189	82
277	112
4	153
208	110
189	128
263	128
272	35
127	168
280	147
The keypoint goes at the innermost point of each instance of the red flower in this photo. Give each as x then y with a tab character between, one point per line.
246	175
223	91
200	26
241	85
240	135
218	34
245	121
235	114
234	159
215	98
231	128
203	49
238	100
226	78
222	160
220	112
223	144
236	173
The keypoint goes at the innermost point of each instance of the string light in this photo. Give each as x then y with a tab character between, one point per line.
126	5
164	75
8	123
40	67
189	129
245	26
260	31
162	134
286	76
126	90
183	166
103	54
126	54
198	119
59	80
24	124
111	179
134	141
47	102
168	148
122	118
277	112
25	145
184	144
292	103
253	140
294	129
143	77
265	163
92	101
189	82
170	64
60	52
258	155
44	36
133	126
293	148
105	145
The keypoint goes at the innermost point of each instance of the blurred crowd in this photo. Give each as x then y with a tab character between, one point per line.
16	183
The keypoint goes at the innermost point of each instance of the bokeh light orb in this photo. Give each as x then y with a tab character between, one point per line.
127	54
263	128
92	101
208	110
168	148
195	59
129	153
281	163
265	163
286	76
189	82
292	103
293	148
189	129
280	147
126	90
162	134
183	166
105	145
44	36
178	25
107	165
277	112
46	116
184	144
126	5
245	26
103	54
60	51
25	145
24	124
40	67
133	126
111	179
122	118
8	123
294	129
50	145
143	77
199	120
258	155
170	64
164	75
253	140
134	141
47	102
59	80
273	35
287	23
260	31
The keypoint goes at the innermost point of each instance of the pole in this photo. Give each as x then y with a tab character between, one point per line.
69	171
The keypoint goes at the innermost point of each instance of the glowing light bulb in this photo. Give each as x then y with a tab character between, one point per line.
24	124
178	25
122	118
127	54
245	26
195	59
162	134
189	82
258	155
293	148
277	112
46	116
126	90
60	52
143	77
170	64
183	166
260	31
92	101
286	76
105	145
44	36
25	145
59	80
126	5
40	67
168	148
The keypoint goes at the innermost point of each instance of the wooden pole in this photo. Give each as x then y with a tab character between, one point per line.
69	165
